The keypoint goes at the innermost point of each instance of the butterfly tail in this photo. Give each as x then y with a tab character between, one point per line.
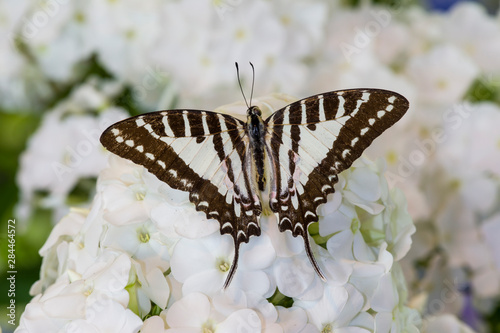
234	265
311	256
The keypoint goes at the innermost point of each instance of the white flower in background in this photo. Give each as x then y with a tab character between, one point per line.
463	195
339	310
442	75
65	149
185	51
469	26
20	81
392	44
133	27
59	35
471	144
445	323
304	24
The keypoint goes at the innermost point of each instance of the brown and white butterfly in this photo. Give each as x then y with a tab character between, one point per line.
226	165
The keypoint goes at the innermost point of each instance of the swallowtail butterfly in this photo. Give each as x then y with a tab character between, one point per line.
225	164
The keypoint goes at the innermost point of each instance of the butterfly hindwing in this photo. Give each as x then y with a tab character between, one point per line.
202	152
312	140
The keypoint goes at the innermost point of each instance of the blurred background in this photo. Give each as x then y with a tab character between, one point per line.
70	69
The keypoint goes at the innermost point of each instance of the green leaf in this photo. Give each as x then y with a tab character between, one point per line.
279	299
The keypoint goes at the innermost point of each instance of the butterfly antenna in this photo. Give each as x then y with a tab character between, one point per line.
253	82
239	82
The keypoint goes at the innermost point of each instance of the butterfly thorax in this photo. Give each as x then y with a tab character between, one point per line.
256	133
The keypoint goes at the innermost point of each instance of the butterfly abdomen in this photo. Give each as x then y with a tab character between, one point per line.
256	132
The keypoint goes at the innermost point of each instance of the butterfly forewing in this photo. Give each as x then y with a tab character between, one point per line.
312	140
202	152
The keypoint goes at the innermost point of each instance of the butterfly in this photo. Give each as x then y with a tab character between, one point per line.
233	169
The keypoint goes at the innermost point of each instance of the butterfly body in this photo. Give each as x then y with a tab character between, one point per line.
256	132
228	166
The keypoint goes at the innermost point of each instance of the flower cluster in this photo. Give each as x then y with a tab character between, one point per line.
65	149
161	54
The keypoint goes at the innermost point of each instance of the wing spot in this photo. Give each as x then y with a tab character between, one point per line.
162	164
389	107
150	130
115	131
140	122
307	214
285	208
318	199
380	114
150	156
299	226
254	224
364	130
333	178
371	121
173	172
140	148
285	219
227	225
184	182
241	233
353	141
345	153
215	213
391	99
119	139
129	143
203	203
325	188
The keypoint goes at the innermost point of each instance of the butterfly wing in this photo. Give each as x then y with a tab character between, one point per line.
202	152
312	140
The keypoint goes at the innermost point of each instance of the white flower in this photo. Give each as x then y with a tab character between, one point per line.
194	312
442	75
134	29
469	26
58	35
82	298
202	264
292	320
153	324
337	310
65	149
445	323
111	318
471	140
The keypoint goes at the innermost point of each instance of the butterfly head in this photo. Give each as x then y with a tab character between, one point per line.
254	111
